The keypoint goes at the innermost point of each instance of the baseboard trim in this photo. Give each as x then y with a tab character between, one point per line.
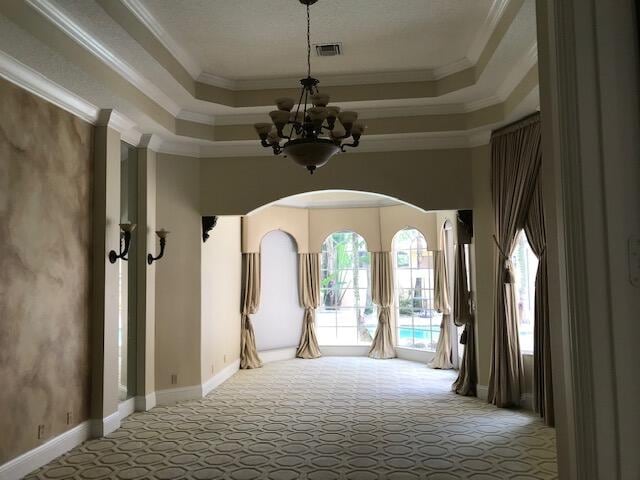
104	426
194	392
43	454
126	408
482	392
277	354
220	377
144	403
345	350
170	396
415	355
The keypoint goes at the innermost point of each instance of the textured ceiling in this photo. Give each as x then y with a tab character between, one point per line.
243	39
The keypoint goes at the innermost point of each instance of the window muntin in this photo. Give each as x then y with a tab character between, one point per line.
417	325
346	315
525	266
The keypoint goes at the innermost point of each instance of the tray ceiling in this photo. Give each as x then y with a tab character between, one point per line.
197	73
248	39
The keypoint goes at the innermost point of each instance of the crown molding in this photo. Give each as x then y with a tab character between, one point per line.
149	21
206	118
370	143
55	15
29	79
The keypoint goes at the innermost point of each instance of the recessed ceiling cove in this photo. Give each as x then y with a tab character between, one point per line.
249	39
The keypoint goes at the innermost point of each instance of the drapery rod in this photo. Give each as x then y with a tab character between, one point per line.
517	125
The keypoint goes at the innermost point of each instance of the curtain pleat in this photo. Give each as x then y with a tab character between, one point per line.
542	387
516	155
382	296
309	293
442	358
250	301
467	379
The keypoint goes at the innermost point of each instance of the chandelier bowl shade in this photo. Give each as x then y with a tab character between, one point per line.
311	152
308	130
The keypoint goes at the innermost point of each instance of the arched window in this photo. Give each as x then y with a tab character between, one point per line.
346	315
413	263
525	266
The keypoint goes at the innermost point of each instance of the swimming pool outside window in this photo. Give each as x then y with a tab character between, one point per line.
418	325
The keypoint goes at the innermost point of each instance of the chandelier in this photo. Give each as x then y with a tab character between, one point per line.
310	135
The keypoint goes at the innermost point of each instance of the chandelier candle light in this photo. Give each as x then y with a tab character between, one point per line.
311	134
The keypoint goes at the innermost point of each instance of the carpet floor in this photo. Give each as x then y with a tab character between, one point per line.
334	417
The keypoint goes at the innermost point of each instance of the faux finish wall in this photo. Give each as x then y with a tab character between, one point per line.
45	271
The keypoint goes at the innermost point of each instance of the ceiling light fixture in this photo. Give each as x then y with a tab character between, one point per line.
313	135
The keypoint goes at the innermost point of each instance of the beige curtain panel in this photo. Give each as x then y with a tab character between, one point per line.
516	156
442	358
467	379
250	302
309	293
542	386
382	296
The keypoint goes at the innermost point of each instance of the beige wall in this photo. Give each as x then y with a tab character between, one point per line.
146	278
482	258
177	346
45	231
220	298
429	179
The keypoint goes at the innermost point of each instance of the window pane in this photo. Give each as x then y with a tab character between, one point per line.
525	266
346	312
414	290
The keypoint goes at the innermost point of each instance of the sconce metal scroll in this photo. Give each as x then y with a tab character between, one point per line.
162	235
125	235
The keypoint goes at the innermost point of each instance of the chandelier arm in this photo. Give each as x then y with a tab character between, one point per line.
352	145
295	122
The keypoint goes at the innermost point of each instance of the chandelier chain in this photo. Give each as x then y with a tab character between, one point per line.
308	42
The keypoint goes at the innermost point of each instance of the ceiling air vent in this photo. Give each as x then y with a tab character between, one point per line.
328	49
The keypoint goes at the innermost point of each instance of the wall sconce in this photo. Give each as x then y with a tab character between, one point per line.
125	235
162	235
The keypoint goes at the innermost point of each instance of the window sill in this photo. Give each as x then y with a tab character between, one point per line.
416	349
526	354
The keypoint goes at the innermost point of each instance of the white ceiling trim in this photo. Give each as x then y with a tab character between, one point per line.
34	82
25	77
515	76
334	80
148	20
29	79
372	143
68	26
511	81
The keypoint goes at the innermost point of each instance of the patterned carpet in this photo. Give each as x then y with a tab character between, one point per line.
351	418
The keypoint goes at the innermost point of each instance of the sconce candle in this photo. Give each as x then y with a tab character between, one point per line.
162	235
125	235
